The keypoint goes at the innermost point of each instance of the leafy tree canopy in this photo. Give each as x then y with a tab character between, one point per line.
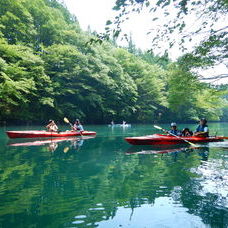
48	70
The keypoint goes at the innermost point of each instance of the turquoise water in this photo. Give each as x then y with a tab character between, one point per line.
105	182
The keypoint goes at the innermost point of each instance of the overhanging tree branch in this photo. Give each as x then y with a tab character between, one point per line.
220	76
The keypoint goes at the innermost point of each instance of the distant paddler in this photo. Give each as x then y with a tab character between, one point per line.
77	126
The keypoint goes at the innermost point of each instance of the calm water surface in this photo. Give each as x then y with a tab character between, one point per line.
105	182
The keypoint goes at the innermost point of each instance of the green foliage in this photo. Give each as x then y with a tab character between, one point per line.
22	83
49	68
16	22
148	79
182	88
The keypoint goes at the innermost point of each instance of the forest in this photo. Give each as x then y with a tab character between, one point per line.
51	69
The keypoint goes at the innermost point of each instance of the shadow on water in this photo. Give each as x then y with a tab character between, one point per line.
102	182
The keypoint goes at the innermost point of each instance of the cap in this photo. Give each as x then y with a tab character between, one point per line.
203	119
173	124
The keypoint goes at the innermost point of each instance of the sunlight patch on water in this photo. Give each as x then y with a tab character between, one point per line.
97	209
78	222
219	144
80	217
165	212
214	179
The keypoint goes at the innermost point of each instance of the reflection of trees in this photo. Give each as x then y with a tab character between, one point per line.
46	189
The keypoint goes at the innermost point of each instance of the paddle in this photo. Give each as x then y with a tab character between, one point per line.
67	121
192	144
66	149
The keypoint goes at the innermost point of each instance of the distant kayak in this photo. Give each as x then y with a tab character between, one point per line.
119	125
41	134
158	139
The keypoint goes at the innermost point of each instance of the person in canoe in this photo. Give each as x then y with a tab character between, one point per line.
52	126
186	132
77	126
174	130
202	130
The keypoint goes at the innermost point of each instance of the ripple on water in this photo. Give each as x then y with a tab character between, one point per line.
78	222
96	209
80	216
176	193
99	204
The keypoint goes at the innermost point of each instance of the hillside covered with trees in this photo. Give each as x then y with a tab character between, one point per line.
49	69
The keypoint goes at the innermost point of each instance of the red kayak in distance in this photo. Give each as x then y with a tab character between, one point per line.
158	139
42	134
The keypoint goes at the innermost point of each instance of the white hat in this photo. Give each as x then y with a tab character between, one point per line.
173	124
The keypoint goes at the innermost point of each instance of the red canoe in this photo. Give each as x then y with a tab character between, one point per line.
158	139
41	134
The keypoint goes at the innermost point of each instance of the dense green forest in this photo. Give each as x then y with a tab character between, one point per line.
49	69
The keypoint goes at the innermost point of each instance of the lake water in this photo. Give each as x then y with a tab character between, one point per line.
105	182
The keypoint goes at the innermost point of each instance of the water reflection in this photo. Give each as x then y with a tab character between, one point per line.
108	184
157	149
51	143
165	212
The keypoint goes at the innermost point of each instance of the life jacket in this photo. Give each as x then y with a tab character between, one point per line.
175	132
201	128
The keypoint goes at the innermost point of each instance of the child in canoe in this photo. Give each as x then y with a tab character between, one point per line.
187	133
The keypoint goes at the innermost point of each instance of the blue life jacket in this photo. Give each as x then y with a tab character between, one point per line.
201	128
175	132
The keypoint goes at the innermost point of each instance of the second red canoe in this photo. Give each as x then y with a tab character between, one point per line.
158	139
41	134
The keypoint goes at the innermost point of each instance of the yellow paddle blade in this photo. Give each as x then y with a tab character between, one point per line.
66	120
158	127
192	144
66	149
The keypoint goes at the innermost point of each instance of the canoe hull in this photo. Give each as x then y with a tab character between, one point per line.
45	134
158	139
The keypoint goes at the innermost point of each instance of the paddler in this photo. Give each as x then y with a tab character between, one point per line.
77	126
202	129
52	126
174	130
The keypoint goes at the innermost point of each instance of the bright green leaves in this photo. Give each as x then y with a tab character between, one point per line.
16	22
182	87
22	82
147	78
94	81
190	99
14	94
